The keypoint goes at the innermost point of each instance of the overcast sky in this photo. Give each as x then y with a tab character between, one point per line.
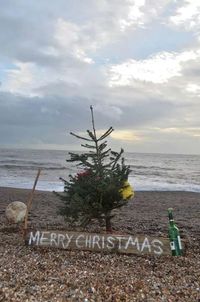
137	62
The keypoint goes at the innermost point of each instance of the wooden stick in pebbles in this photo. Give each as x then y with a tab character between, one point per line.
29	203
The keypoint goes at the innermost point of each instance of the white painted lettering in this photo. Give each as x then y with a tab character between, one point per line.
35	238
146	245
69	239
120	238
61	239
132	242
157	244
96	240
110	243
53	239
88	241
103	242
44	239
78	243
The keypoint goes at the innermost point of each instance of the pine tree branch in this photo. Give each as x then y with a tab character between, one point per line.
63	180
81	137
88	146
93	137
103	146
117	157
93	126
85	163
75	157
105	153
108	132
114	153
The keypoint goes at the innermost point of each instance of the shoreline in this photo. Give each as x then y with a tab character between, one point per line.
145	213
136	191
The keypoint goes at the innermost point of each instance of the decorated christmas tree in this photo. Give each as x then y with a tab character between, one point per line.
100	186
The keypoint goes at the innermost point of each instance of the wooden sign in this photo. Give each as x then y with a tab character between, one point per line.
126	244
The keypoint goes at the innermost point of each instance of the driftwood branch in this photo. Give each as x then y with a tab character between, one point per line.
29	202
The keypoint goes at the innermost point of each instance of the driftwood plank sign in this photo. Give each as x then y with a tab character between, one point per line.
127	244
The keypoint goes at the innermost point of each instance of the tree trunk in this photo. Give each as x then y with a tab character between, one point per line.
108	224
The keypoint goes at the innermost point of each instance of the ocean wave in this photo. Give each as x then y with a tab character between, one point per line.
158	185
30	167
24	162
149	172
140	167
152	173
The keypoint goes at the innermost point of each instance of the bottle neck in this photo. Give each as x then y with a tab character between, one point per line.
171	222
170	216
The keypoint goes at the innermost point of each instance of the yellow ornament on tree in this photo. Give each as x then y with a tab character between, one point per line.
127	191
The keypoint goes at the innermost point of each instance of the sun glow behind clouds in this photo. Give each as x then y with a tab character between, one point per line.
125	135
187	131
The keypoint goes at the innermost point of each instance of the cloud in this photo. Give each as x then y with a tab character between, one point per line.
157	69
193	88
65	31
59	58
187	15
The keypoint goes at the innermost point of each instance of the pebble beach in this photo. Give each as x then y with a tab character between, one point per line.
45	274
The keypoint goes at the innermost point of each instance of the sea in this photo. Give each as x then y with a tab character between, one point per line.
149	172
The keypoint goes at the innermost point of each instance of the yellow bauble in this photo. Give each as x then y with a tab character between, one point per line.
127	191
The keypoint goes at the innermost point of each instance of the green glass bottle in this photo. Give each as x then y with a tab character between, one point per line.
174	236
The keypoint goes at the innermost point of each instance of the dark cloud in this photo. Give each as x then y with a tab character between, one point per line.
49	120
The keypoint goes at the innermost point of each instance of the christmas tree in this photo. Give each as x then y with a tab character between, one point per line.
101	185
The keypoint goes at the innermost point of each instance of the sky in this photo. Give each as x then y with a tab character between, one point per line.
136	61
